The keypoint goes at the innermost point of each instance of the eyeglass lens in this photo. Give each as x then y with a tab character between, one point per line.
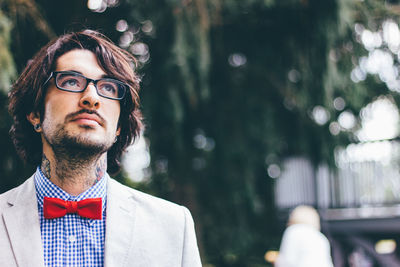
76	83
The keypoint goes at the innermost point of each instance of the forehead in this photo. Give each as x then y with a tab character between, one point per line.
81	60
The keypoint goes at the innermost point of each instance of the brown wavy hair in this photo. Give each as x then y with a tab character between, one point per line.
28	92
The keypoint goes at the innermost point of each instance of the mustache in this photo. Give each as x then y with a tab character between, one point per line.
88	111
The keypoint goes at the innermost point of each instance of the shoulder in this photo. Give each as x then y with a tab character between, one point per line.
164	230
11	196
306	234
5	196
147	203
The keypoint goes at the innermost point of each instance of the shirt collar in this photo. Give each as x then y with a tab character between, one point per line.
46	188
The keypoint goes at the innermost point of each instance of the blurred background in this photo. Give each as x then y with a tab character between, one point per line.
252	107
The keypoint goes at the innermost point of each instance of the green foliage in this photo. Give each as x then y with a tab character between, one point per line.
251	111
7	67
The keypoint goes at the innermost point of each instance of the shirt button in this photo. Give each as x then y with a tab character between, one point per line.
72	238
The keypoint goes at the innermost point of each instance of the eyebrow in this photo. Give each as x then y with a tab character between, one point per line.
103	76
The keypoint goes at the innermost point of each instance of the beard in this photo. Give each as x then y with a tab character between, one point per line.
79	147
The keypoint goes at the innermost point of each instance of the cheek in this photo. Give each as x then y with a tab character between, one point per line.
56	111
115	114
47	112
50	111
116	120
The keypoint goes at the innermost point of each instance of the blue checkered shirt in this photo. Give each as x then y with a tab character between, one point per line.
71	240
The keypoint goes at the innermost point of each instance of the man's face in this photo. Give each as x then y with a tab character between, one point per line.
83	120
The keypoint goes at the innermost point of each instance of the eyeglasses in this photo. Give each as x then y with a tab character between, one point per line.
74	82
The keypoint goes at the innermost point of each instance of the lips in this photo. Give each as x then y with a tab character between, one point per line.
87	118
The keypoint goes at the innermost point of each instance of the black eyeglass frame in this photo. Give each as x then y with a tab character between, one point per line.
53	74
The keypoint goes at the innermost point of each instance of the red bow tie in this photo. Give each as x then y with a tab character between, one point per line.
88	208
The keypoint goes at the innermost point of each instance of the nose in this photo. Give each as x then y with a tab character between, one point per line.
90	98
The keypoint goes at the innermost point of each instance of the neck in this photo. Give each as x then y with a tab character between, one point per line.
74	174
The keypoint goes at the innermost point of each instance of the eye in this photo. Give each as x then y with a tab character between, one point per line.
108	88
70	81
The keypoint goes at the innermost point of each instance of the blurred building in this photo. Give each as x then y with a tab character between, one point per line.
359	201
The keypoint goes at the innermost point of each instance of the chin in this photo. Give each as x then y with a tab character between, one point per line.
89	136
84	146
84	140
90	141
81	143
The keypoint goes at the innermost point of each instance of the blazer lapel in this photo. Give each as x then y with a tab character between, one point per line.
120	222
22	223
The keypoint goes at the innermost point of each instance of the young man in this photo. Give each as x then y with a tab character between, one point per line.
75	110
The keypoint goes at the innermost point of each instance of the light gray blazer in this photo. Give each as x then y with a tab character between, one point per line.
141	230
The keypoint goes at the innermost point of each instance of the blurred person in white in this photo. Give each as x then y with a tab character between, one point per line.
303	245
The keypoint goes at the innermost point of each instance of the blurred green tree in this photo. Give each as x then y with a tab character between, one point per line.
229	88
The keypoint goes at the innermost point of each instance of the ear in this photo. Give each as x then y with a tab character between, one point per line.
34	119
118	132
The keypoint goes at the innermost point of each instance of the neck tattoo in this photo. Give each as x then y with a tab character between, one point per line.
45	166
101	167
